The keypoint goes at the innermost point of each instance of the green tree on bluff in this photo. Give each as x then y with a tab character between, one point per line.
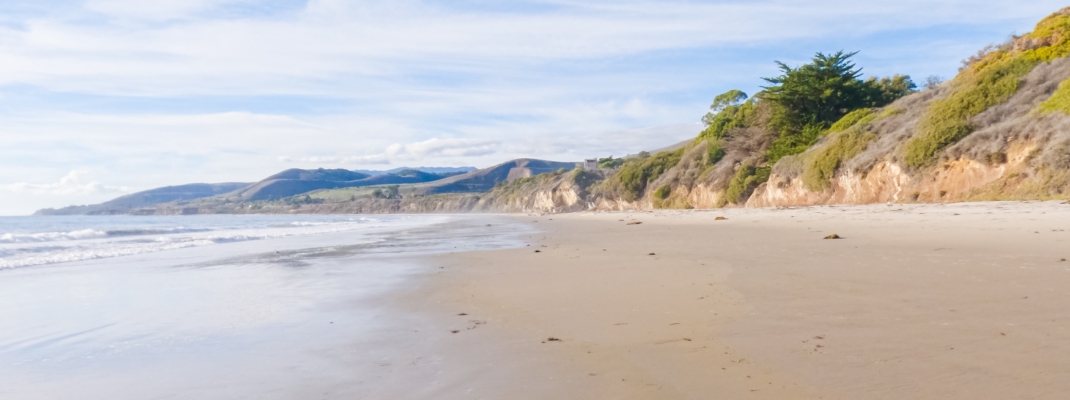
796	109
730	110
826	89
809	99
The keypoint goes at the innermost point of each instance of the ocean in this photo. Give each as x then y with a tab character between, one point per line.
215	306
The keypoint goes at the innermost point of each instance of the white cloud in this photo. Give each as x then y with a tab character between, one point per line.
153	10
442	148
411	81
74	183
401	152
310	51
374	159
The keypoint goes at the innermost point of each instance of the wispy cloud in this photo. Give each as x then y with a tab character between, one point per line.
179	91
74	183
400	152
321	48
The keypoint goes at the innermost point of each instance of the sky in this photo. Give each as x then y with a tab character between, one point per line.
100	98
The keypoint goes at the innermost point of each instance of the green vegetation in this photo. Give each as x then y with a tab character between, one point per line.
797	109
743	183
992	79
827	89
522	188
610	162
634	176
662	193
387	192
1059	101
584	179
841	147
788	145
848	137
947	121
859	116
728	112
809	99
297	201
521	182
714	151
889	112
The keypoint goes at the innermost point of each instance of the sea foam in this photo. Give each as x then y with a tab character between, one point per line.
128	236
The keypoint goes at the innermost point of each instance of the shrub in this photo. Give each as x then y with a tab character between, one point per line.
843	146
630	183
859	116
728	116
933	81
989	79
662	193
743	183
889	112
947	121
610	162
584	179
714	151
297	201
1059	101
388	192
790	144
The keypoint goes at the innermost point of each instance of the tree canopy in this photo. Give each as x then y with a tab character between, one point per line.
826	89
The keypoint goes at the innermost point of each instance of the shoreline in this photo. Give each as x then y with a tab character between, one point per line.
295	316
917	301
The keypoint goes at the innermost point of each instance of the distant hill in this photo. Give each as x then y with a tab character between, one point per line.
430	170
404	177
296	181
483	180
281	185
317	175
284	186
148	198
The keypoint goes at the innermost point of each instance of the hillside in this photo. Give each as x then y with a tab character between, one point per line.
485	179
297	181
148	198
190	198
997	131
818	134
1000	130
430	170
323	190
557	191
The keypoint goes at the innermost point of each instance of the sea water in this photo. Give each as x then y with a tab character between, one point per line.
229	306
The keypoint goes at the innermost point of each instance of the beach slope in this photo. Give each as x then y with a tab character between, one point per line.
963	301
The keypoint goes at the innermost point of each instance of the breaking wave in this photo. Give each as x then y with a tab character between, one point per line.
50	246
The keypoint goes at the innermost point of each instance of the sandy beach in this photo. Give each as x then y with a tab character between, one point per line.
957	301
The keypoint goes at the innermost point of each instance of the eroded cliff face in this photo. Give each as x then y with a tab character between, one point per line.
1014	152
961	179
556	193
556	197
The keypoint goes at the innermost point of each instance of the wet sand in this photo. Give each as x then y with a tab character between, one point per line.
963	301
285	318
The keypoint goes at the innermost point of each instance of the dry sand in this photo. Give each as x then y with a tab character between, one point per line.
962	301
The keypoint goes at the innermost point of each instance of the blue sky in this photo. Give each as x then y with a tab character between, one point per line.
104	97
